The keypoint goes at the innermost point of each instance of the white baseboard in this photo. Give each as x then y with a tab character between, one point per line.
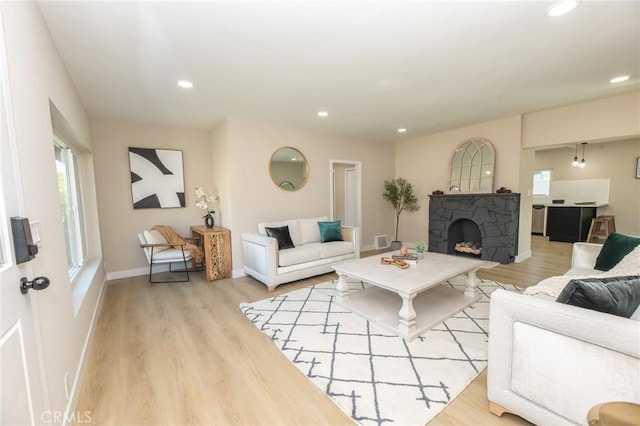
236	273
114	275
520	257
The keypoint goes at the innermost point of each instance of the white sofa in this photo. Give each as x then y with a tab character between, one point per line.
550	362
263	261
583	260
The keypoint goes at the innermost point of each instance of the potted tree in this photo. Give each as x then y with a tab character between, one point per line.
400	194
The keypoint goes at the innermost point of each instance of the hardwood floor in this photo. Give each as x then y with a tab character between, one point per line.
183	353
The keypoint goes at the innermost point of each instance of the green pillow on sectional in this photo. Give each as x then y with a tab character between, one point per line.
614	249
330	231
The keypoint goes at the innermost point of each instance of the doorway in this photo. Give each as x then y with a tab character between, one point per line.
346	192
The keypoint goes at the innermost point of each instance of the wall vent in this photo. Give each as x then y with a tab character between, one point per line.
381	242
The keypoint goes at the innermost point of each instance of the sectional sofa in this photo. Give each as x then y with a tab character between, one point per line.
551	362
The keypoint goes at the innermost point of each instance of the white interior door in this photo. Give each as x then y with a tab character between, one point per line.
353	187
21	386
334	207
351	197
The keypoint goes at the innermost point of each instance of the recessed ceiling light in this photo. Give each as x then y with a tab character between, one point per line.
323	114
561	7
619	79
185	84
402	130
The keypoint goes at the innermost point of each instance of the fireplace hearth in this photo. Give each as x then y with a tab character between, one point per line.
483	225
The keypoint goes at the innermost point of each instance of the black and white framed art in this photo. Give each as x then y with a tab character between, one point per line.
157	178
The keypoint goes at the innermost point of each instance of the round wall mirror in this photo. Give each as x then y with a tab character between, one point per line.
472	166
289	169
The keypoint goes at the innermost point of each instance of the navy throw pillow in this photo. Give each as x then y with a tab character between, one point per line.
617	295
282	235
330	231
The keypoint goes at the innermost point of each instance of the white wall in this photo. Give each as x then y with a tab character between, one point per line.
119	222
613	118
424	162
232	161
255	198
221	173
37	77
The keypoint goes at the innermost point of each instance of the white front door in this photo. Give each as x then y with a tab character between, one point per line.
22	389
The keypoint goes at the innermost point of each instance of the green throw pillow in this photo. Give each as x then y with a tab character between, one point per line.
330	231
614	249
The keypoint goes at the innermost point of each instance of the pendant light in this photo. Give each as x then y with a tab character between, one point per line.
575	157
582	162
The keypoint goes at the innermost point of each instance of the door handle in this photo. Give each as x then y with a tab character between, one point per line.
39	283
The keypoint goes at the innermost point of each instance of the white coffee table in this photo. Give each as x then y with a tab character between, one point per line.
422	301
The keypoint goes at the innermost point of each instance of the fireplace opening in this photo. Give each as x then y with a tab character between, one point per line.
464	238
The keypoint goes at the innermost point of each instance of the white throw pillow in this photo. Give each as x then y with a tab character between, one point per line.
155	237
309	230
294	229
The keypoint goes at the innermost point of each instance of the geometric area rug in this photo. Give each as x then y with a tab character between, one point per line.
375	377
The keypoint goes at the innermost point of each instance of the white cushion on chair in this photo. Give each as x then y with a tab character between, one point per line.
171	255
155	237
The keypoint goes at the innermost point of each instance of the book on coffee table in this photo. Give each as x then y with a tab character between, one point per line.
409	257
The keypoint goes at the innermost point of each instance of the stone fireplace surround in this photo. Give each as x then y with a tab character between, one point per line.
495	217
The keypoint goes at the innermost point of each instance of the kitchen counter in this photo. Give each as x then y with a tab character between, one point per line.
596	204
570	222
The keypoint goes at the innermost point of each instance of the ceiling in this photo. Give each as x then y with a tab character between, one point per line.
373	66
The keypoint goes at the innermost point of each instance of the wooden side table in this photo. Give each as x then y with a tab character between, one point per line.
216	244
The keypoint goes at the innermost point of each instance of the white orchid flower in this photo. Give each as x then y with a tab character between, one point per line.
204	202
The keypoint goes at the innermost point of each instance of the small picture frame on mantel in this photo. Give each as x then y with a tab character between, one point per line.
637	167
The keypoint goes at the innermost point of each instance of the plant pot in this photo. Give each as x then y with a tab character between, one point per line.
420	255
396	245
